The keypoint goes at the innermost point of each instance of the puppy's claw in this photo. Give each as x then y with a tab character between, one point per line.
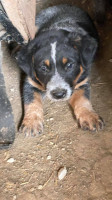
90	121
33	130
101	123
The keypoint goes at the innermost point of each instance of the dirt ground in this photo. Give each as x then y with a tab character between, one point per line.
32	173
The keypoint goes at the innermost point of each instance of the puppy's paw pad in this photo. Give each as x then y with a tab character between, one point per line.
31	129
90	121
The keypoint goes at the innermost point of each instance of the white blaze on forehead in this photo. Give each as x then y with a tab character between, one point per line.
58	82
53	52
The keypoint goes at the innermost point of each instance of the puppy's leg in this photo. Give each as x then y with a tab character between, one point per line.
85	115
32	124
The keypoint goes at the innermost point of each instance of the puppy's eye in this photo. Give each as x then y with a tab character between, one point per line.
44	68
69	66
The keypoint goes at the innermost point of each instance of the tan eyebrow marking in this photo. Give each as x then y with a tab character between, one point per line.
77	85
64	60
47	62
40	87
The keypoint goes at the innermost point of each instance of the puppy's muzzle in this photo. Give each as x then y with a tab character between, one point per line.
59	93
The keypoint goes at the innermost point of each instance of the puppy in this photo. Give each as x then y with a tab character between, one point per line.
57	63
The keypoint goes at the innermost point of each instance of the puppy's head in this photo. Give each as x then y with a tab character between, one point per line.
57	60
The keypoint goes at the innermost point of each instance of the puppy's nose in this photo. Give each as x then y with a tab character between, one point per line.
58	93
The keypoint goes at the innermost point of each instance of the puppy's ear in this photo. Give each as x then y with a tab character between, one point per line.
25	58
88	50
87	47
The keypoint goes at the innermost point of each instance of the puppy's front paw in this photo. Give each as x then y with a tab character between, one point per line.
32	126
89	120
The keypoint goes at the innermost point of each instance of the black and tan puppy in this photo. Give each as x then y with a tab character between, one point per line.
58	63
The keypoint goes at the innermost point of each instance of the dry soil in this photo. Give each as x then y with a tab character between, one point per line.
31	174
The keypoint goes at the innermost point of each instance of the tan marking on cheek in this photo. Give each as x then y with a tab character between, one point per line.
34	84
82	83
79	75
64	60
42	86
47	62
